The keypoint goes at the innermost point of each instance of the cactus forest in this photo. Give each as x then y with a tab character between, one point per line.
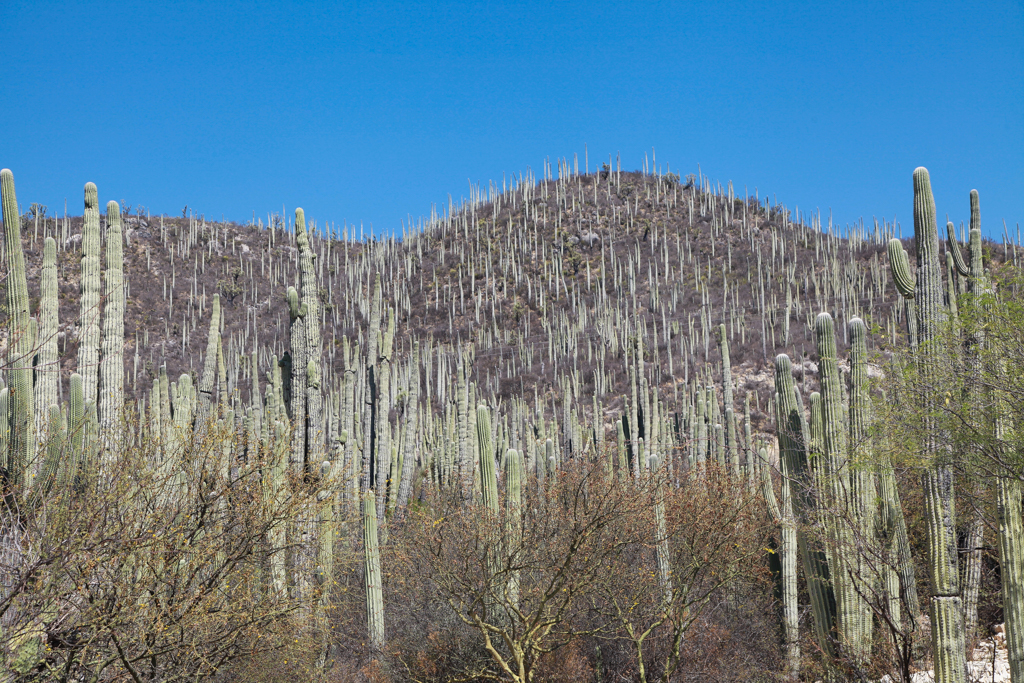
610	426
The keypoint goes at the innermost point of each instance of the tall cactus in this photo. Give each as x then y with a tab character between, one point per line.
513	532
89	304
20	458
21	396
208	380
1010	514
488	476
731	445
111	400
862	498
47	366
299	346
663	555
274	492
372	574
891	522
946	608
382	446
850	492
796	467
314	435
781	511
412	412
369	426
17	285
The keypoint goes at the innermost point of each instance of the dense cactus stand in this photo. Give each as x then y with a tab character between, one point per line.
314	397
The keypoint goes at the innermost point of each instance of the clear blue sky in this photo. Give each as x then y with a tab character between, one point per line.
368	112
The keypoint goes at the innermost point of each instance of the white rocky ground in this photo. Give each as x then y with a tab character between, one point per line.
990	654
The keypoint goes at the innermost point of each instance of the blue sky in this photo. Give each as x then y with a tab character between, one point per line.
371	112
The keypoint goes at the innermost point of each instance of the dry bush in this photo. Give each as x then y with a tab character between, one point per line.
582	553
147	570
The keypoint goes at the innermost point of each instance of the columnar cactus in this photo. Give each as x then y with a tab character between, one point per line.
299	347
372	574
853	485
731	446
793	456
946	610
1010	514
208	380
59	466
17	285
383	444
92	289
274	492
369	426
111	400
47	365
781	511
76	416
620	436
311	302
513	501
488	476
465	466
663	554
412	414
20	351
892	525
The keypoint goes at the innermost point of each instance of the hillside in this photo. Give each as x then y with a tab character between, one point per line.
543	283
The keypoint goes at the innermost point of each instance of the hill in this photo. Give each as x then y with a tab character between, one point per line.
545	285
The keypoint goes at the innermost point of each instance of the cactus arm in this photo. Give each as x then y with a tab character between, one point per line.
900	264
954	250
